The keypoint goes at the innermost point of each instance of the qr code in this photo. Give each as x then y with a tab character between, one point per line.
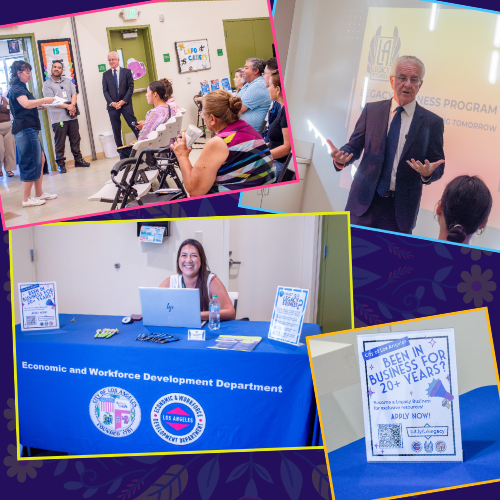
31	320
390	436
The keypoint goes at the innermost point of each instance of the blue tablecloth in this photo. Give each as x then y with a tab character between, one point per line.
353	478
54	411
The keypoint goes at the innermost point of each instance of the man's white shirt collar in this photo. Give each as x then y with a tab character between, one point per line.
409	108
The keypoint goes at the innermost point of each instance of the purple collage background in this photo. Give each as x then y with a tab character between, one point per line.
394	277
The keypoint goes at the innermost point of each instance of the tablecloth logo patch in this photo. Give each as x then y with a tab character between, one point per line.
115	412
178	419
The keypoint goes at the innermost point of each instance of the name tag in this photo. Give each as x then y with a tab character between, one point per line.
64	93
196	334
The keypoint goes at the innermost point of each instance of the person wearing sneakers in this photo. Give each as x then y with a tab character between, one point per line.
25	128
64	117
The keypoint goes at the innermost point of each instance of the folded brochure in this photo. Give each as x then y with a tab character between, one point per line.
235	343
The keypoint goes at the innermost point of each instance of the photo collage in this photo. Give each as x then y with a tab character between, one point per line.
355	359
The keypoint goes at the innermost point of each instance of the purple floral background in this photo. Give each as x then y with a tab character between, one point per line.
394	278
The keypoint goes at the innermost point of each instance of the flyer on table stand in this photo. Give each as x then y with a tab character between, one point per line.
39	306
410	396
288	315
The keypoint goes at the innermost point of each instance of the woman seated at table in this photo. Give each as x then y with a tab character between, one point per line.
463	209
193	272
235	158
279	139
169	98
154	117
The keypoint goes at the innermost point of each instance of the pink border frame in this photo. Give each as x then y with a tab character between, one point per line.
166	202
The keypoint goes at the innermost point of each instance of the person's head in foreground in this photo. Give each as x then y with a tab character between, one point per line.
463	209
239	79
269	69
253	69
235	158
193	271
274	87
407	78
220	109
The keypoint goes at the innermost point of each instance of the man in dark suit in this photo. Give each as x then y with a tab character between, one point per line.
403	150
118	87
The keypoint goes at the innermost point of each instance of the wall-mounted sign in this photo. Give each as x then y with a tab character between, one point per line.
192	55
57	50
14	46
102	68
410	396
166	57
138	68
219	52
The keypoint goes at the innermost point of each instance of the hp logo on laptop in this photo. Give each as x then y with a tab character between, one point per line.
169	307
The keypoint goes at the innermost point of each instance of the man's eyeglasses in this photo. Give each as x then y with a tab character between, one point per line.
414	80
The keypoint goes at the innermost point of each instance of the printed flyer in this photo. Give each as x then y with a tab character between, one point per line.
410	396
38	304
288	315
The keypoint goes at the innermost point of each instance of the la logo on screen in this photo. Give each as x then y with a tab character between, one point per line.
115	412
384	50
178	419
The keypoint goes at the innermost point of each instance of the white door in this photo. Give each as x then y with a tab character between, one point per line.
273	251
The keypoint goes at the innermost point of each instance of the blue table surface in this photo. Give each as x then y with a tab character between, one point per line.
83	329
237	419
354	478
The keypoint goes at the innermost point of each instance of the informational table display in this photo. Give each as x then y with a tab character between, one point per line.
129	396
38	304
288	315
410	396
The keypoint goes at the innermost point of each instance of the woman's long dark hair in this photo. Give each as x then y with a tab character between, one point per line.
202	275
466	204
17	66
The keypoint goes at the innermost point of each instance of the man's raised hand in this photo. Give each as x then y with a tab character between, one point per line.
339	156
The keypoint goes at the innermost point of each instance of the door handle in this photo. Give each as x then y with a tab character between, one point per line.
231	261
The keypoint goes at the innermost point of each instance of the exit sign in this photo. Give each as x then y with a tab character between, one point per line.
130	14
102	68
166	57
219	52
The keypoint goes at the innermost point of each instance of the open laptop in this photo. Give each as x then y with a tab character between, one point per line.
178	307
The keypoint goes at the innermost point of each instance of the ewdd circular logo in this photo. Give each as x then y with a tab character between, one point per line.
178	419
115	412
416	446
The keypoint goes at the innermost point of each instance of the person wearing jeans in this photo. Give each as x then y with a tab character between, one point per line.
25	128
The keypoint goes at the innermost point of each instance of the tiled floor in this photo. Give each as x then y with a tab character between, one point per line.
72	189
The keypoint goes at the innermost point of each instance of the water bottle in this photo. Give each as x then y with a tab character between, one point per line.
214	313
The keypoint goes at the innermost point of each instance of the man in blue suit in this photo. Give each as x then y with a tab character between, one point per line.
403	150
118	87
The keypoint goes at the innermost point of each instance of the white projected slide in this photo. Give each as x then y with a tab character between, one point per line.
460	50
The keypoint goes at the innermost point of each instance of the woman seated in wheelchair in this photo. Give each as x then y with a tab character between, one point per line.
235	158
193	272
161	113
